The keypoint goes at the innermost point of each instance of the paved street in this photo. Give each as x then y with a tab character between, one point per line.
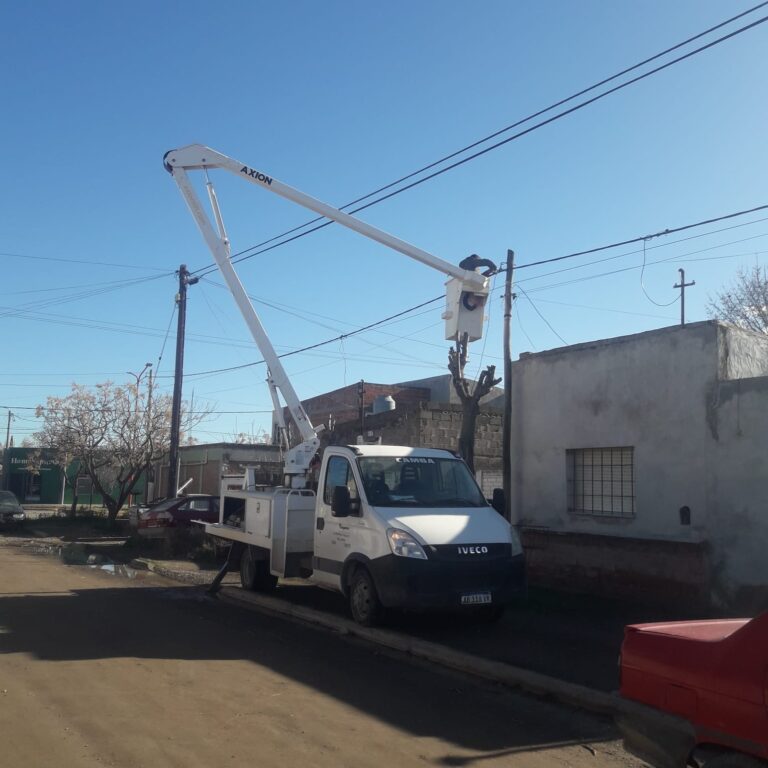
100	670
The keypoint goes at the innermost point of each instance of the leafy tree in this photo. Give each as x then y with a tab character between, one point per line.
470	393
112	431
745	301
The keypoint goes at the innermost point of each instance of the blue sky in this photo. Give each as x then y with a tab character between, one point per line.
336	99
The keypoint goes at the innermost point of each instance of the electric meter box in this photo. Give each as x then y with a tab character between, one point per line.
464	310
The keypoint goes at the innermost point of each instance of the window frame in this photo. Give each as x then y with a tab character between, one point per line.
588	468
351	482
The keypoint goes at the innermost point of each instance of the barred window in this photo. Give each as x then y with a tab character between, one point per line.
601	482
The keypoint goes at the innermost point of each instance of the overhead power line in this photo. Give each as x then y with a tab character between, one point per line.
320	343
642	238
245	254
80	261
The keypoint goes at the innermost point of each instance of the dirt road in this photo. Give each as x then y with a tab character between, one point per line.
97	670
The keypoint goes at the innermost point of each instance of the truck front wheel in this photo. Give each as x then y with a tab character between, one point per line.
254	572
364	602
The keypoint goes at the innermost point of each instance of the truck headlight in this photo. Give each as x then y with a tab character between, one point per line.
404	545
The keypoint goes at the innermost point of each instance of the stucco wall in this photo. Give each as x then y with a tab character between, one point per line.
647	391
738	523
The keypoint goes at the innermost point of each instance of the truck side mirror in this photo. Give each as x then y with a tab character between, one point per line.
341	506
499	501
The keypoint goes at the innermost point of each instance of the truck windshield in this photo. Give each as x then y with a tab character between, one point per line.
415	481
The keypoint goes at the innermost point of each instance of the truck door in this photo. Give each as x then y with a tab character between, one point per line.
333	535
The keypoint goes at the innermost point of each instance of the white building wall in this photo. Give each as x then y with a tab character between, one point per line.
661	393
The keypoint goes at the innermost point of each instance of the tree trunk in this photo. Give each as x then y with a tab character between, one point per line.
470	411
470	397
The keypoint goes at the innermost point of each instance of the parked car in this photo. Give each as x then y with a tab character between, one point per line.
154	521
11	512
701	689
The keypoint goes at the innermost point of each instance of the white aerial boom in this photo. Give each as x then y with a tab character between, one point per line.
466	291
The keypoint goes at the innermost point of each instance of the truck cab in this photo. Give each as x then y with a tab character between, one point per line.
388	527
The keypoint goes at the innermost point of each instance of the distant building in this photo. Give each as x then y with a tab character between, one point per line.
35	478
205	464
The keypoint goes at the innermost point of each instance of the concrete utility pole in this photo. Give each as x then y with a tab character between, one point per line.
185	279
506	448
682	285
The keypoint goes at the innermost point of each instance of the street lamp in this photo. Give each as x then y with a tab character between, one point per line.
138	376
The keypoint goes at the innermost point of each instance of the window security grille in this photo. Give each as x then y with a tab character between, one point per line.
601	482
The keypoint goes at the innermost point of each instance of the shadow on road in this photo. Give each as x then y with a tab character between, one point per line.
179	623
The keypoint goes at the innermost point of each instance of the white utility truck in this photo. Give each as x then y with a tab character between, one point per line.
387	526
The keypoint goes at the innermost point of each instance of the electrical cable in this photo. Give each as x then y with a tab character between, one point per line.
520	324
642	286
318	344
81	261
641	238
243	255
538	312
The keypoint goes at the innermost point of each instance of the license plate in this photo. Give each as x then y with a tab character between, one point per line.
478	598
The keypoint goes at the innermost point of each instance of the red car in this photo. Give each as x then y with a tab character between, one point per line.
704	690
154	521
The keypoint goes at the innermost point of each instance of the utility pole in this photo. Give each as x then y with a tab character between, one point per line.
506	449
6	462
149	474
361	406
682	285
185	279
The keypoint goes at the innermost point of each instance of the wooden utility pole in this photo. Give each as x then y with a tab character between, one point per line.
361	406
185	280
682	285
506	450
6	462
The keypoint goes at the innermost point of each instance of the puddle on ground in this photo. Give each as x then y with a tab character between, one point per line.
115	569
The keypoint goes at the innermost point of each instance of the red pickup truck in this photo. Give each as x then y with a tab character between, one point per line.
701	689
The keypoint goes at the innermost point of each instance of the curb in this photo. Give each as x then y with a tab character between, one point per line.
494	671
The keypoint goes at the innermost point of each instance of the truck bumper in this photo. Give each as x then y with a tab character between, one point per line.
664	741
404	582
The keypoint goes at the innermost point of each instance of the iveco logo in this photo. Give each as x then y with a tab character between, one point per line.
473	550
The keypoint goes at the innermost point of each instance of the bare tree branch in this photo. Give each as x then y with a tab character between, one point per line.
110	433
745	301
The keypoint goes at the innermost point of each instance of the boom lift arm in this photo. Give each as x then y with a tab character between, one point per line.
466	294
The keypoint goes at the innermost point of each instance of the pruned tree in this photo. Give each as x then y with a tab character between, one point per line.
745	301
470	393
113	432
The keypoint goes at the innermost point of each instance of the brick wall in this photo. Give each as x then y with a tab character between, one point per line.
650	571
344	405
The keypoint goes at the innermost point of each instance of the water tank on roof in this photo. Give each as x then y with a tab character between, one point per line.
383	403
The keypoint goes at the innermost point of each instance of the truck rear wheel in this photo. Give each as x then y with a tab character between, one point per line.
364	602
254	572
